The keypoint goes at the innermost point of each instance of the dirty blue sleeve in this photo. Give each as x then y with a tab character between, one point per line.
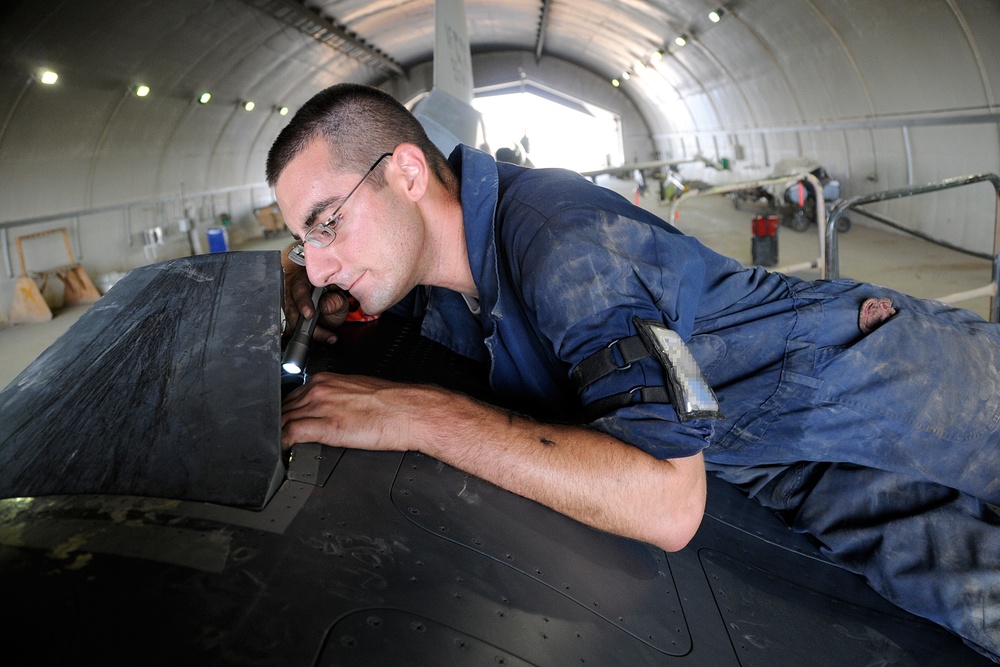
584	274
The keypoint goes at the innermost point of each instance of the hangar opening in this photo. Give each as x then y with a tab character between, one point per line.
550	130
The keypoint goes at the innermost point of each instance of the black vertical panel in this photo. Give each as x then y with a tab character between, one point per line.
168	386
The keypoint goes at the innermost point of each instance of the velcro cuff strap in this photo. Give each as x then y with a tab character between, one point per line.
603	406
603	362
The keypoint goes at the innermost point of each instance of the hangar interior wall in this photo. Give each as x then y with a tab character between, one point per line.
883	94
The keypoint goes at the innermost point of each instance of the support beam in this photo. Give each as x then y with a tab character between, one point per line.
324	30
542	25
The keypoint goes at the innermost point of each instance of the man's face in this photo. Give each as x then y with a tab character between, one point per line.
379	236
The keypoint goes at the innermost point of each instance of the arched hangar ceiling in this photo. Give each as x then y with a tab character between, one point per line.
884	93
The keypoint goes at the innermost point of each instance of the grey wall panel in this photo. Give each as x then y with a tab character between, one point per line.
965	216
944	151
929	65
46	151
821	75
703	111
125	165
736	110
890	147
980	18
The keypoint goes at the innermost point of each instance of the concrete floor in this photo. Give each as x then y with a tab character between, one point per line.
867	254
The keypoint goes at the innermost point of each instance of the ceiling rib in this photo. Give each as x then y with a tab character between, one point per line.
311	23
542	25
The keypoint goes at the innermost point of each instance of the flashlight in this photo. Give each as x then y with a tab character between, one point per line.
294	360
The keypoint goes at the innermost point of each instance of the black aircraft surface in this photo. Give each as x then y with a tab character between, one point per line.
150	517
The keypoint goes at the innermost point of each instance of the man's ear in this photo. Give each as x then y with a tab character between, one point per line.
416	172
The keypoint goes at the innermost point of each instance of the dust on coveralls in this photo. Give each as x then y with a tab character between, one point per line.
882	446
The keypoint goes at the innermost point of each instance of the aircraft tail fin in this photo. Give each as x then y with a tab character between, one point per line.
447	113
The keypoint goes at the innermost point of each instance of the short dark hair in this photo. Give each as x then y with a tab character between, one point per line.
359	123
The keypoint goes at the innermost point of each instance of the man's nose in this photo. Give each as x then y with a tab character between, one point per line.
321	264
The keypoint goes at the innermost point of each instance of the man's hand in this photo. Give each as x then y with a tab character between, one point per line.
353	411
333	305
582	473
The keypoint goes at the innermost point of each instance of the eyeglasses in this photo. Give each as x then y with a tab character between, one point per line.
323	234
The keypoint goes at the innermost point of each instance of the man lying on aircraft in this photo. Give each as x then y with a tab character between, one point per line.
869	419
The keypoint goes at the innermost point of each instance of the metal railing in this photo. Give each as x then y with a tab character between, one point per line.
832	265
817	188
160	204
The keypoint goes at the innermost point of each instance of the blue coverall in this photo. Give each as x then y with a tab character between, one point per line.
882	446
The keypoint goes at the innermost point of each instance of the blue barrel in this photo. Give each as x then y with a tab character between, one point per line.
218	239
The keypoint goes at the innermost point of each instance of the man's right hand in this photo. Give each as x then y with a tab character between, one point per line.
333	305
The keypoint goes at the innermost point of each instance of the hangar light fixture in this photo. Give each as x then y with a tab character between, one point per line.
47	76
626	76
681	40
615	82
204	98
248	105
282	111
657	55
141	90
716	16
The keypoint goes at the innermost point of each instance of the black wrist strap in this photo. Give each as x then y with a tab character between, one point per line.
603	406
604	362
